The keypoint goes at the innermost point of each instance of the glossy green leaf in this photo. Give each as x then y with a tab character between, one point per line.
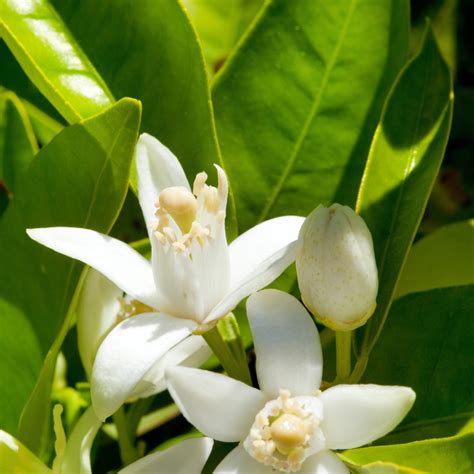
297	104
427	345
403	163
44	126
87	169
17	141
384	468
220	25
19	365
52	58
454	455
441	259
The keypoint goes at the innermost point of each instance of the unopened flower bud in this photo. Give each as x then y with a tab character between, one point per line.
336	268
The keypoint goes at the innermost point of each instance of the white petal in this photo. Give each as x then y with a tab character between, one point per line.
252	248
324	463
286	344
187	457
355	415
117	261
78	447
191	352
218	406
261	276
128	352
157	169
238	461
97	312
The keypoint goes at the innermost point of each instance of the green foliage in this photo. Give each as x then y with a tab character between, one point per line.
428	341
298	102
404	160
89	164
429	265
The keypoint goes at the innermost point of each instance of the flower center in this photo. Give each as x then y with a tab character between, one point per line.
286	431
180	204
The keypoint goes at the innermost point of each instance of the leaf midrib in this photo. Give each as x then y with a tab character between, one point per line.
311	116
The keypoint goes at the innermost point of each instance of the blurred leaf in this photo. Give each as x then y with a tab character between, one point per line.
17	141
427	345
52	58
437	456
441	259
220	25
297	104
384	468
402	166
19	365
44	126
86	168
15	458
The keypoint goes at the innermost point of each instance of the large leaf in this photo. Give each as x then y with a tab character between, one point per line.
427	345
17	141
220	25
52	58
403	163
19	365
297	104
79	179
452	455
441	259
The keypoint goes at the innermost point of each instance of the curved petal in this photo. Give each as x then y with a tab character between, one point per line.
252	248
187	457
355	415
262	275
218	406
191	352
286	344
324	463
128	352
78	447
238	461
117	261
97	312
157	169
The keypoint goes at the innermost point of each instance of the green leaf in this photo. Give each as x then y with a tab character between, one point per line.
44	126
427	345
17	141
220	25
19	365
297	104
452	455
403	163
52	58
441	259
86	168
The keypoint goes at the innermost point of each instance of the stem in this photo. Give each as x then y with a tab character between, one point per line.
343	355
359	368
128	453
225	341
135	414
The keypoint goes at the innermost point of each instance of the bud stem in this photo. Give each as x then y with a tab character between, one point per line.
343	356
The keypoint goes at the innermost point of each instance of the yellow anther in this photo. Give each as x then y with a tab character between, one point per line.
180	204
199	183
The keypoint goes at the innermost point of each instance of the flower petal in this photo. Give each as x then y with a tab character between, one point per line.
355	415
286	344
252	248
187	457
190	352
157	169
127	354
238	461
324	463
117	261
97	312
78	447
218	406
261	276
